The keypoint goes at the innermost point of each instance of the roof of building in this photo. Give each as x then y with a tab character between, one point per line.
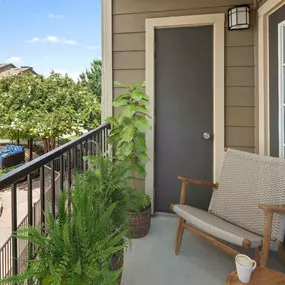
9	69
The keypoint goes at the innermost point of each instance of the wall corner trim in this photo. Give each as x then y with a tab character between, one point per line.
263	74
107	59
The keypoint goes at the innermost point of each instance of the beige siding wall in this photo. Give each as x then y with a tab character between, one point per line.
129	57
261	2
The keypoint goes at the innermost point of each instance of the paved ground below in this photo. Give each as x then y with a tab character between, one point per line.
151	260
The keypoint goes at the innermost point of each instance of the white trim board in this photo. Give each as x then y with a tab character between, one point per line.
218	22
107	60
281	85
263	74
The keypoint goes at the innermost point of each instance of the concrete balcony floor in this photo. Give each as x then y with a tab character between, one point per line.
151	260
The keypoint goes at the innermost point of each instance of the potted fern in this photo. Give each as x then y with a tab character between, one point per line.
128	137
77	247
108	181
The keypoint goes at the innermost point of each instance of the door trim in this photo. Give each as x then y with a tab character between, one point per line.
107	60
263	74
218	22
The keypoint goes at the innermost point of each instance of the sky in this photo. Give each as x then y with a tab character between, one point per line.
60	35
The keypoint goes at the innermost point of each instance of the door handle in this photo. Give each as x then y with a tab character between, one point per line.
206	135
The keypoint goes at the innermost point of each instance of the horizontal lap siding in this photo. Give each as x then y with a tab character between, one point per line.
261	2
129	57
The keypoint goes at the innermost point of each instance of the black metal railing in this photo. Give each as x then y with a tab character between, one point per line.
41	180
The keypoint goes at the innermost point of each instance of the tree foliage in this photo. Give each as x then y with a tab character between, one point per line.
92	77
45	108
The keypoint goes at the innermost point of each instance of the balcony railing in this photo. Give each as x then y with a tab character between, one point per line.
41	180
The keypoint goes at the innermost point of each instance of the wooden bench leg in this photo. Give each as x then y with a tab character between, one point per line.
179	235
257	255
266	239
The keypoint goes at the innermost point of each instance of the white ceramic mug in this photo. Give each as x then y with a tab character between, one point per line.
245	266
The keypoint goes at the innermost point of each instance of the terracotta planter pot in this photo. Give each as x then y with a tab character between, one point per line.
140	223
117	263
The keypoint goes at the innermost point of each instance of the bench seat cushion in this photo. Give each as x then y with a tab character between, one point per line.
216	227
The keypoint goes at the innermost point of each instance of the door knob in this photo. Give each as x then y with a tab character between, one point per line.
206	136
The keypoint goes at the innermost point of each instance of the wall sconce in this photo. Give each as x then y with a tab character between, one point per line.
239	17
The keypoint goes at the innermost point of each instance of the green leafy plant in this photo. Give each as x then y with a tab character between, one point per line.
77	247
145	200
128	135
110	183
129	128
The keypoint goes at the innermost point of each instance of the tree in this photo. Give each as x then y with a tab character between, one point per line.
35	107
92	77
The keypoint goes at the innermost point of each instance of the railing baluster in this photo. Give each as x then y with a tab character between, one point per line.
14	228
97	144
30	211
91	146
86	153
61	173
106	140
42	194
81	156
52	188
100	142
103	141
69	180
69	168
75	160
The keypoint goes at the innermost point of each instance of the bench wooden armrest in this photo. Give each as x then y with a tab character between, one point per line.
186	181
198	182
280	209
269	210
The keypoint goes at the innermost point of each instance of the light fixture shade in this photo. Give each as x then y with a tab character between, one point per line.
239	17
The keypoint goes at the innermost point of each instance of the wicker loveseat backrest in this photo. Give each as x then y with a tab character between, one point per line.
247	180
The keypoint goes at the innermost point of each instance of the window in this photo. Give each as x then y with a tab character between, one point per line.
281	66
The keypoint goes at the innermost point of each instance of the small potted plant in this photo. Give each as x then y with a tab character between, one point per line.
128	138
140	217
77	246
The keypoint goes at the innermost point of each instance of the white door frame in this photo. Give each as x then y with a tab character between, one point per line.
263	74
218	23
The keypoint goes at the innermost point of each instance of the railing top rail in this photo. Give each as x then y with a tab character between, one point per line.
29	167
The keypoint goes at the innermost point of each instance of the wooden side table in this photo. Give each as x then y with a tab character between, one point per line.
260	276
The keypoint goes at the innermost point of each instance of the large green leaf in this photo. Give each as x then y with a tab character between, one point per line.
137	96
140	143
142	95
142	125
125	96
143	157
128	111
112	120
120	102
140	170
126	149
128	133
119	84
142	110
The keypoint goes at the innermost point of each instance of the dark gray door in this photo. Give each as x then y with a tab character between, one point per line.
183	112
274	20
